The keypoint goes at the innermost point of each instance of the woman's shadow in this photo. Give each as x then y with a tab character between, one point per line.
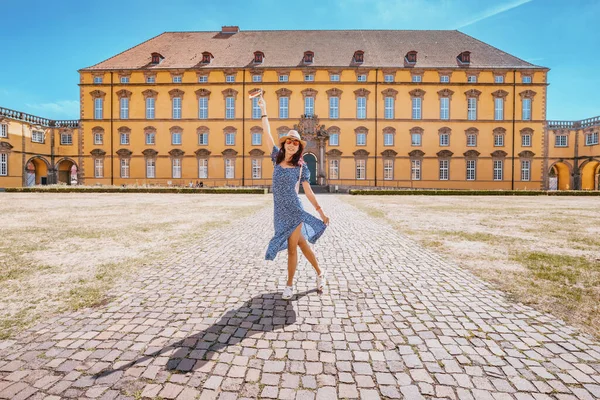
262	313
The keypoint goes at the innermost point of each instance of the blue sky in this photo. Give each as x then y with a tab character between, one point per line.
43	49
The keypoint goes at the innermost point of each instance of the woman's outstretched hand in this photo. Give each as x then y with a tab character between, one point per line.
262	104
324	217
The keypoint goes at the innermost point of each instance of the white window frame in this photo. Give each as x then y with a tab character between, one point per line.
415	139
472	109
98	138
361	107
256	112
525	170
203	107
361	78
124	138
230	139
230	107
203	139
3	164
558	141
361	169
444	170
416	108
98	108
388	169
334	107
98	168
526	140
177	79
229	78
388	78
284	78
498	79
203	79
498	170
389	105
256	78
256	139
124	108
256	168
176	138
334	77
203	168
97	80
150	135
498	140
445	108
334	139
471	78
498	109
124	79
125	167
309	105
471	170
334	169
37	136
150	168
388	139
176	168
309	78
150	79
591	138
66	139
416	79
150	108
177	103
446	142
229	168
361	139
444	78
284	107
526	79
471	140
526	110
415	170
4	130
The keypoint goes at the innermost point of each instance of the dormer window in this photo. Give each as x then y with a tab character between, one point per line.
258	57
309	56
464	57
359	56
156	58
411	57
206	57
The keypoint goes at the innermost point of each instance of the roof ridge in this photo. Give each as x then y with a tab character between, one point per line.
323	30
116	55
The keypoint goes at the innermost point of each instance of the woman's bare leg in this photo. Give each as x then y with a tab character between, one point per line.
293	253
308	253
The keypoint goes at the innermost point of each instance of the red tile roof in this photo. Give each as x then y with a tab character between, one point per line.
285	49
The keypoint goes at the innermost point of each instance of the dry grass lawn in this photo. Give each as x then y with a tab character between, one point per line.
545	251
62	252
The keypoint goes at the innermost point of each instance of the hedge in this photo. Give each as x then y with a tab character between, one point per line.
379	192
83	189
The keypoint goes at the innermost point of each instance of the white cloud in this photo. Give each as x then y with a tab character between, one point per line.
66	108
495	11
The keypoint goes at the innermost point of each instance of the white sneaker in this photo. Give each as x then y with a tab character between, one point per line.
288	293
321	281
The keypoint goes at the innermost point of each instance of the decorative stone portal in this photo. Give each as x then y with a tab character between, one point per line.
311	163
315	136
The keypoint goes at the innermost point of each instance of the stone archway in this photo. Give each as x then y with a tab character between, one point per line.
36	171
311	163
64	170
559	176
589	174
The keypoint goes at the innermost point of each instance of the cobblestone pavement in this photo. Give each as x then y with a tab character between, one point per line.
396	321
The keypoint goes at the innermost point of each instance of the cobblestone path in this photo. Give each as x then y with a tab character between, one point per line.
396	321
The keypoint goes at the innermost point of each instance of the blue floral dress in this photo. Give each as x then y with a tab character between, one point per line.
289	212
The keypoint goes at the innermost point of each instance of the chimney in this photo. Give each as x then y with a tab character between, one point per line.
230	30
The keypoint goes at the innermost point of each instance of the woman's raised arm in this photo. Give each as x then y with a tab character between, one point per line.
265	123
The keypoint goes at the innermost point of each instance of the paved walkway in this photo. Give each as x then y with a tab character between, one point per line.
396	321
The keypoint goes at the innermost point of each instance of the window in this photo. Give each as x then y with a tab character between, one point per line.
176	137
526	109
256	139
415	170
284	106
150	79
498	109
471	140
561	141
203	78
470	170
3	164
230	78
66	138
334	169
4	130
203	108
124	167
361	78
360	169
472	108
97	80
256	169
416	78
498	170
283	78
334	139
388	112
97	108
591	139
415	139
444	108
498	140
526	79
526	140
177	79
361	139
203	168
124	108
309	106
498	79
388	169
124	136
445	78
443	170
124	79
98	137
229	107
388	78
256	78
525	170
150	102
472	78
444	139
361	107
308	57
176	167
150	138
150	168
416	108
334	104
98	168
388	139
309	78
229	168
256	112
203	138
176	107
230	138
37	137
334	77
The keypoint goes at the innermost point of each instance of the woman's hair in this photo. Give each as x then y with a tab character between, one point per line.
296	158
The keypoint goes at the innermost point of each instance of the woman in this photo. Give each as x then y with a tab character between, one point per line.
294	227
